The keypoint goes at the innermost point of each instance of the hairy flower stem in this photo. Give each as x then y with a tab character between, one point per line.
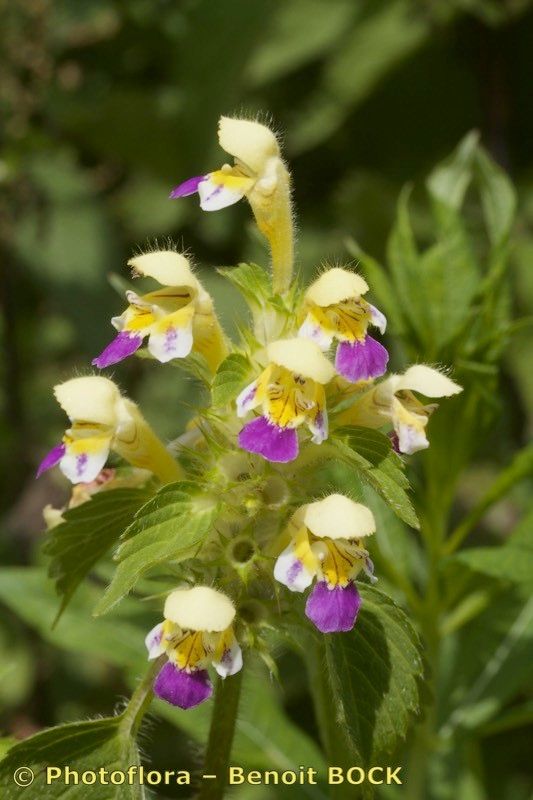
140	700
226	706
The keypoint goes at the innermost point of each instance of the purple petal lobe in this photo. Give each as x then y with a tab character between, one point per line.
333	610
190	186
182	689
51	459
121	347
270	441
359	361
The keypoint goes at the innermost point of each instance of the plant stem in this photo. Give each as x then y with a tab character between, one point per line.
433	532
226	706
140	699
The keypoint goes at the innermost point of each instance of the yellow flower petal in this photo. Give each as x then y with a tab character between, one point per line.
340	561
346	320
427	381
166	267
189	652
335	285
289	399
302	550
230	179
248	141
338	517
301	357
200	609
89	399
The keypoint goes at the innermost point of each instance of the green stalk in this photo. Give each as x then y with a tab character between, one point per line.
433	531
140	700
226	706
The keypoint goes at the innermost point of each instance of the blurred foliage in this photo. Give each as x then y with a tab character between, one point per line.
105	104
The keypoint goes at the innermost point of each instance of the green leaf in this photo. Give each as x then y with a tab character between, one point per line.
380	284
379	466
81	746
119	640
395	545
253	282
376	449
512	561
515	717
299	32
232	375
170	527
447	282
448	182
393	494
403	260
490	659
74	216
375	673
497	196
17	664
520	468
437	288
6	743
87	534
374	46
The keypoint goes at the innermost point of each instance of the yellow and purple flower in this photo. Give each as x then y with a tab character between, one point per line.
290	391
258	174
176	318
393	401
103	420
197	632
326	544
335	309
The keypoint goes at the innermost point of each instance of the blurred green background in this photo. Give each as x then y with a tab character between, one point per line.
105	105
